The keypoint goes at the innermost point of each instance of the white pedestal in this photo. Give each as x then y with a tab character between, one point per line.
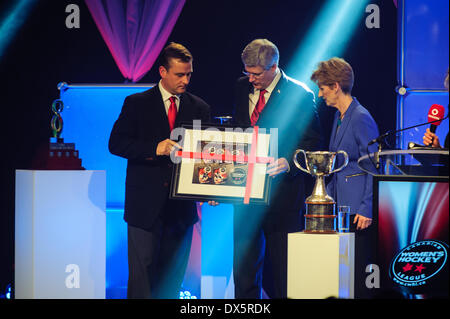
217	252
320	266
60	234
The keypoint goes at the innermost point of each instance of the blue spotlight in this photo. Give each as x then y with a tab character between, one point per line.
7	294
12	21
186	294
328	36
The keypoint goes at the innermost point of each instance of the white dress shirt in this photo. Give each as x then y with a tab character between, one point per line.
166	98
253	97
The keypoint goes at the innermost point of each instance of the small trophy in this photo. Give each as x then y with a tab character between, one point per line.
320	207
57	155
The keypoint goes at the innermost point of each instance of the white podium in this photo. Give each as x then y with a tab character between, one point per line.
60	234
320	265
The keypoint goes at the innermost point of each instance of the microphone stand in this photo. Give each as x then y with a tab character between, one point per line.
383	136
377	157
380	138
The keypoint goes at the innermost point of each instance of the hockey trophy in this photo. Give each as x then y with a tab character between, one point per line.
320	214
57	155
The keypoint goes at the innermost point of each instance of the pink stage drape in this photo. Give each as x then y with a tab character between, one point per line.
135	31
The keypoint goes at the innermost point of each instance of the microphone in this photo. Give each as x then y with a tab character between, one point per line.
436	113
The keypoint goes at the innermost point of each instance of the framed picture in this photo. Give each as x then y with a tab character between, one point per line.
223	164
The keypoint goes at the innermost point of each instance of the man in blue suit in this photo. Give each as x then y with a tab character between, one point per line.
353	128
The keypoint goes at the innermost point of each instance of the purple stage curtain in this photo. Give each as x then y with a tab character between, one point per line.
135	31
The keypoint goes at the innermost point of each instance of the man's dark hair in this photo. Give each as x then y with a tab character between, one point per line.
175	51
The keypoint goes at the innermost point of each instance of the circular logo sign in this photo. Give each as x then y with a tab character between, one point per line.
238	176
418	265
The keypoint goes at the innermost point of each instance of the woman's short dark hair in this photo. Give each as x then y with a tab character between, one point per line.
334	70
175	51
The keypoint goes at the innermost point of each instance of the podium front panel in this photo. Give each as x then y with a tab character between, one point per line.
412	214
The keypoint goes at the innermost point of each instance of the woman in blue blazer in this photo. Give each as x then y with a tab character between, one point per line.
353	128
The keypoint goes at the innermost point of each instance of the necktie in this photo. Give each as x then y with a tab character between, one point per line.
172	113
259	107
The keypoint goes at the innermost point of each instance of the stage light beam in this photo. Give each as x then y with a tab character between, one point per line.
12	21
328	36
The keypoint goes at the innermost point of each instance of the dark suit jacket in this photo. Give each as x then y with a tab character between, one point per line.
351	186
141	125
292	110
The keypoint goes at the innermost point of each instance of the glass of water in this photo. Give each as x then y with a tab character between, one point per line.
343	219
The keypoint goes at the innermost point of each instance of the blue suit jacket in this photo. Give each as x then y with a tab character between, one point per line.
352	186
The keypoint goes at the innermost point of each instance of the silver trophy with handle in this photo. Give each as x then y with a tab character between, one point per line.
320	214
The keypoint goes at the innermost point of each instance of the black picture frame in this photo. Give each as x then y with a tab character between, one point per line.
223	176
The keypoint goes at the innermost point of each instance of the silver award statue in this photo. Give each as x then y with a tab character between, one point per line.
320	207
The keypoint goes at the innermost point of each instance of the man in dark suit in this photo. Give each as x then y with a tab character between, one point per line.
268	98
159	229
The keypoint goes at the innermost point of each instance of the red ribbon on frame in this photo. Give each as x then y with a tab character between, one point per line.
252	159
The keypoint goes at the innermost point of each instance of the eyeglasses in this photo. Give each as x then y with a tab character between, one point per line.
255	75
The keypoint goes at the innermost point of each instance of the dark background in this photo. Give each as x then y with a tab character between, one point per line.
44	53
